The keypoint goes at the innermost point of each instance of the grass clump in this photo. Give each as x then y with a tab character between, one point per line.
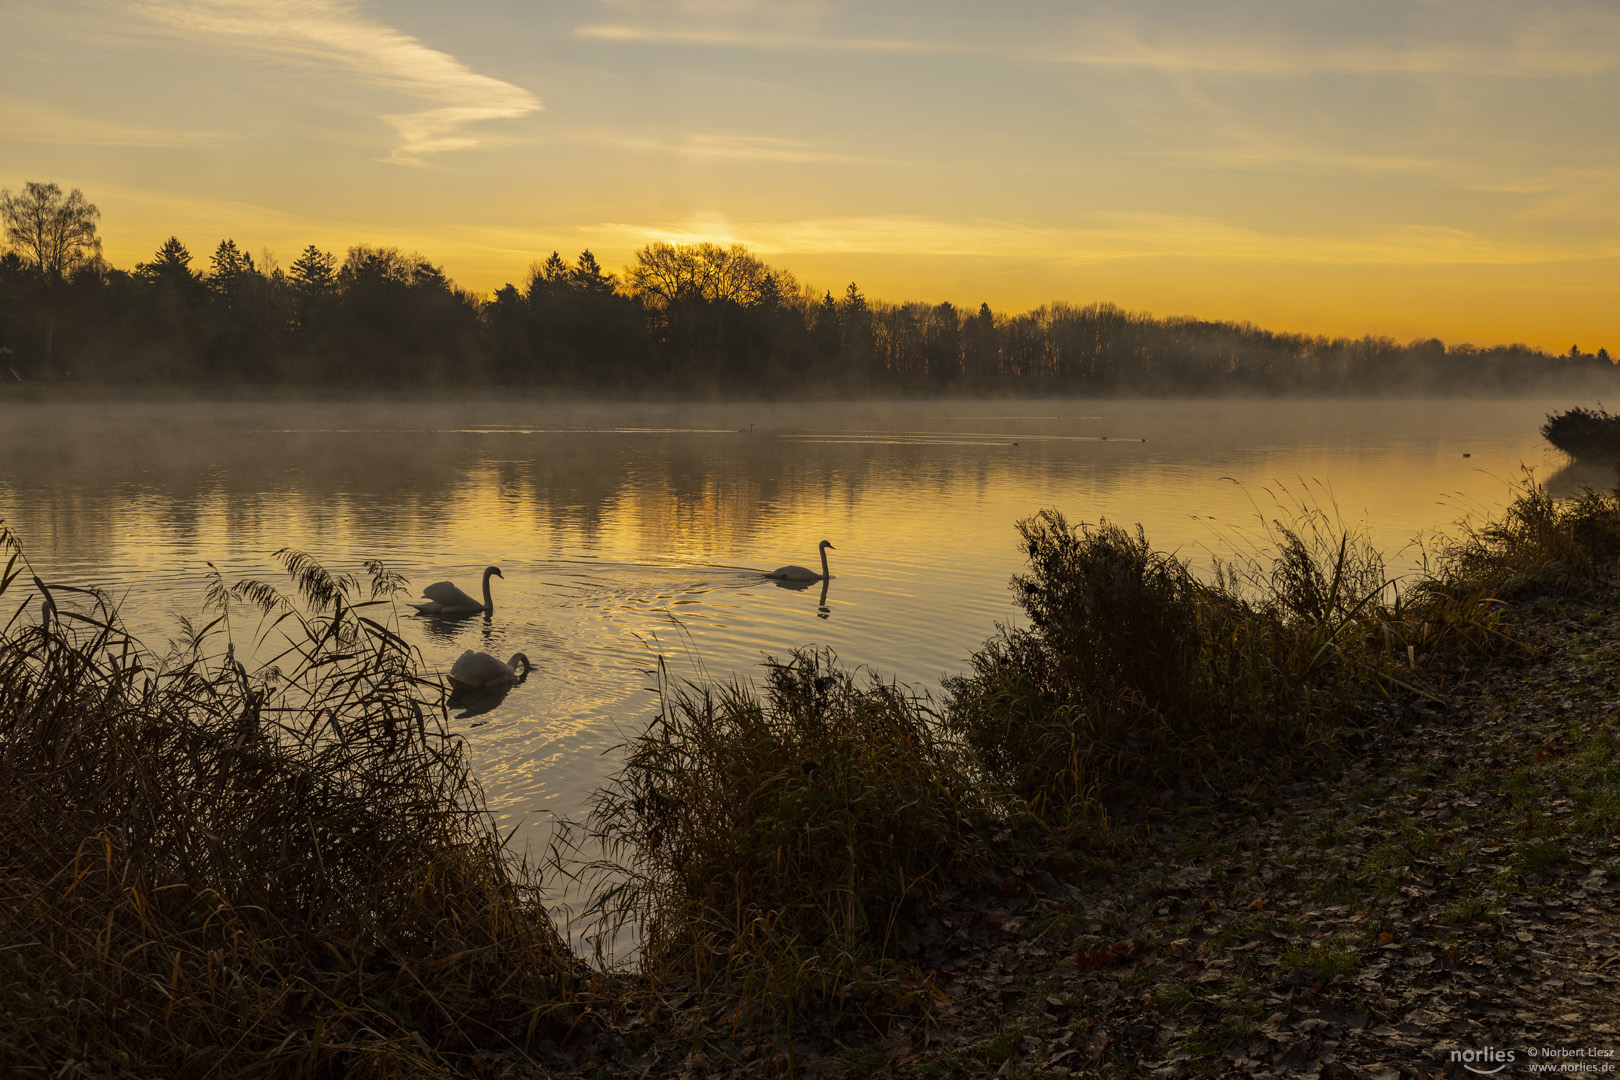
1538	546
1133	672
772	844
288	872
1326	960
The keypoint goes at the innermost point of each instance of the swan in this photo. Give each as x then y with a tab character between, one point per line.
479	669
443	598
804	573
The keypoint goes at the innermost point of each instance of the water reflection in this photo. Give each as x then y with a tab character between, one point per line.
1579	477
449	628
822	610
478	700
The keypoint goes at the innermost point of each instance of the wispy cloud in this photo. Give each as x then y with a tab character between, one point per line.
35	122
758	39
1465	40
744	24
338	34
1109	237
758	148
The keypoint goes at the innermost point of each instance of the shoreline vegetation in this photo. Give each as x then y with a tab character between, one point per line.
687	321
1585	434
1258	820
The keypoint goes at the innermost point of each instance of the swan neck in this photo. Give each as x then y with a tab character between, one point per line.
824	572
489	603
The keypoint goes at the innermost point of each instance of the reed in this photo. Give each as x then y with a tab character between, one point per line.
1538	545
769	847
1133	675
215	872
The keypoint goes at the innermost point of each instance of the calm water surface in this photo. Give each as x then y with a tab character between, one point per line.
625	531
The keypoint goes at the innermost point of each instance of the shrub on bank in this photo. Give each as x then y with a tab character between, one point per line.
1135	674
212	872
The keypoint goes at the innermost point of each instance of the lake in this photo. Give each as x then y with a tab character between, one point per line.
629	531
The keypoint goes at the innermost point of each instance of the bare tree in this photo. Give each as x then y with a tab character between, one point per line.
666	274
54	233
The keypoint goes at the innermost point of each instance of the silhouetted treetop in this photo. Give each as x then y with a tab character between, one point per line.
55	234
171	262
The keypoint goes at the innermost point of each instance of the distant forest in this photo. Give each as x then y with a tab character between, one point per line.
683	319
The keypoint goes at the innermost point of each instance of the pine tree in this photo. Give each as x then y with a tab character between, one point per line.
588	277
313	274
172	262
230	266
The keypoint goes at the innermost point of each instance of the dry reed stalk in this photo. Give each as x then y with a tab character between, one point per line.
217	872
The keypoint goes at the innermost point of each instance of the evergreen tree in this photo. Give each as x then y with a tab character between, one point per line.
588	277
313	274
231	266
826	333
980	349
313	284
171	263
547	279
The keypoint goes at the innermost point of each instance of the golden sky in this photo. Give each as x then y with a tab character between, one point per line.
1412	168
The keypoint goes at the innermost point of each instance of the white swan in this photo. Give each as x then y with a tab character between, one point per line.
479	669
803	573
443	598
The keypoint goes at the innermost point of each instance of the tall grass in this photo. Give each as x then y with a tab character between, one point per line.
215	872
770	846
1538	545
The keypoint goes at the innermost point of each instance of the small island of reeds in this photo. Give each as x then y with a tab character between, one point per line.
1587	434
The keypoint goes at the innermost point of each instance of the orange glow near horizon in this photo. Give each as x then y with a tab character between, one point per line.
1449	171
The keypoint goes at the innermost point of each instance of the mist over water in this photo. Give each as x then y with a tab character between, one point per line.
627	531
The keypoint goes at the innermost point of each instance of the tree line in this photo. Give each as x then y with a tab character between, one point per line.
681	318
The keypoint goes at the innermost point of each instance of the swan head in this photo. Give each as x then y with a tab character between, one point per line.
488	570
519	658
826	544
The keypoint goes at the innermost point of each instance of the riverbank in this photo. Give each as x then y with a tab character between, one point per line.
1450	886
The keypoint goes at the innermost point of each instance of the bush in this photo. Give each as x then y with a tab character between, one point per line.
1133	672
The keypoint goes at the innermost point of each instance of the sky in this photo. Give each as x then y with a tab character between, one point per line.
1445	168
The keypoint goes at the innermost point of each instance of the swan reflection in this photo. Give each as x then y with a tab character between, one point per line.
476	701
822	610
449	628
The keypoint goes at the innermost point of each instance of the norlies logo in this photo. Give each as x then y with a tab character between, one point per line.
1485	1056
